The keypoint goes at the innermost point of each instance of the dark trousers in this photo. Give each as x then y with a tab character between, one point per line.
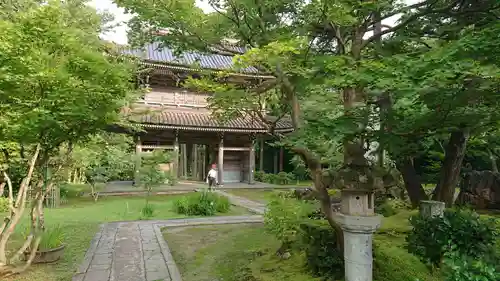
211	182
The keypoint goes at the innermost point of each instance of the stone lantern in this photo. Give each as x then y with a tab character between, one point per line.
357	202
358	222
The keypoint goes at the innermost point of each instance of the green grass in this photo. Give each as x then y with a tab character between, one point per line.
258	195
231	253
302	183
397	224
80	220
393	263
247	252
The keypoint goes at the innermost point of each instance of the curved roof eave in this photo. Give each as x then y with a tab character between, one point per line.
191	69
213	129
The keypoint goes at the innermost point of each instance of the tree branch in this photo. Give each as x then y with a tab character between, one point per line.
406	9
408	20
265	86
236	21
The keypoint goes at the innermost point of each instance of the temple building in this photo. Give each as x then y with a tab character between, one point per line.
174	118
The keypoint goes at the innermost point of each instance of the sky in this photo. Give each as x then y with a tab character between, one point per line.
119	34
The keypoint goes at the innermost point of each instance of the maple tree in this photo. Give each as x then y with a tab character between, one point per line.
59	85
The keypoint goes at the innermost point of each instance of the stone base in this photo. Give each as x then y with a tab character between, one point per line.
358	233
431	208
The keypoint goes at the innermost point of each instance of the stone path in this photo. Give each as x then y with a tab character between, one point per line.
253	206
126	187
136	250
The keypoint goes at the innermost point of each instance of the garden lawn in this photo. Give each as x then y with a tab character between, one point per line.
231	253
304	183
247	252
80	220
258	195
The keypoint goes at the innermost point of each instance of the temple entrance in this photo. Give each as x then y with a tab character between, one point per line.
232	167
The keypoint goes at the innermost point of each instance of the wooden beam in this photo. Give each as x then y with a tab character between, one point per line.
166	147
168	137
236	148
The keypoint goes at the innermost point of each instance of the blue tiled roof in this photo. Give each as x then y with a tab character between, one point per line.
155	53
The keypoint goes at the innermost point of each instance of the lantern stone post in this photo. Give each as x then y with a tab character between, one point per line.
358	221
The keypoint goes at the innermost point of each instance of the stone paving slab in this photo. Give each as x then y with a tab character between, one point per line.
136	250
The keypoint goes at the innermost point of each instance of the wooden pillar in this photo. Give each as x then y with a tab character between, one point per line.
138	152
203	161
184	160
207	163
220	162
281	158
275	162
251	164
194	163
176	154
189	157
261	155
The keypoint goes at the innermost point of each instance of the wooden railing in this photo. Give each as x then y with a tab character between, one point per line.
175	97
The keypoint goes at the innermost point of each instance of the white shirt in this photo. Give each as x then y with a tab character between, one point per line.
212	174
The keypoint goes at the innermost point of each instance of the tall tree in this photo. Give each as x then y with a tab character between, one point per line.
59	84
449	89
320	53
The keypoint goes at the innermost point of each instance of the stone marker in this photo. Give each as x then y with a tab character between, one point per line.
358	222
430	208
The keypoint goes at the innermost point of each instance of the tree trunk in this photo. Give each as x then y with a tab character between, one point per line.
450	171
16	210
493	159
326	203
312	161
412	182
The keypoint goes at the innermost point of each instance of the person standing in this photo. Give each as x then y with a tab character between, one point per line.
212	177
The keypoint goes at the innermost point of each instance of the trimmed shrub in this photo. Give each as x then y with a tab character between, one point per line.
461	231
4	205
282	178
462	268
283	218
259	176
202	204
268	178
323	257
